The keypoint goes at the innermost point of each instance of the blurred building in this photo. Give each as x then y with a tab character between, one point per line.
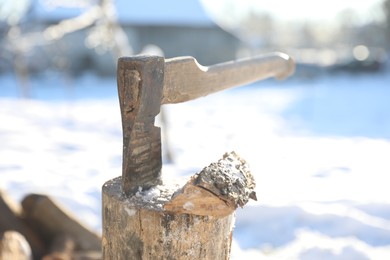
173	27
178	28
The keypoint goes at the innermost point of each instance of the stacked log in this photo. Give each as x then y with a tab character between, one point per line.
40	228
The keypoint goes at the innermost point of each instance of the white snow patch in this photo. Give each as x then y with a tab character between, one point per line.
130	212
188	205
149	194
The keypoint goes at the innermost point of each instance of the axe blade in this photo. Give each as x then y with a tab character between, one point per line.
140	85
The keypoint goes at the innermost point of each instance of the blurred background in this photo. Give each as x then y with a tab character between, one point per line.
74	37
318	143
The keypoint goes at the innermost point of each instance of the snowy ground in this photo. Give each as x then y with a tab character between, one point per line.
319	150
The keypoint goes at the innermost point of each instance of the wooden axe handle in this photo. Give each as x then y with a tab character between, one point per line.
185	79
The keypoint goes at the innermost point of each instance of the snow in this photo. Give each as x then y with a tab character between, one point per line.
318	150
130	212
188	206
149	194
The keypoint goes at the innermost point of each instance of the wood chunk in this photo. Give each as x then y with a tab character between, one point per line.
50	220
13	245
229	179
217	190
195	200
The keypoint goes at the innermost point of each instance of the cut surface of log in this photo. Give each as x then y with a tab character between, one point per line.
13	246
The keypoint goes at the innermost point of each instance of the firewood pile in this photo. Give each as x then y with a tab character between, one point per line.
39	228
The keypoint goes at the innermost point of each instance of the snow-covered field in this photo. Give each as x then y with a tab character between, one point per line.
319	150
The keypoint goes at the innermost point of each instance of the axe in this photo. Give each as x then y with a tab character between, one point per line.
147	82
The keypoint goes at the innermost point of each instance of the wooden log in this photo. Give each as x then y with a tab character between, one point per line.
50	220
11	219
139	227
13	245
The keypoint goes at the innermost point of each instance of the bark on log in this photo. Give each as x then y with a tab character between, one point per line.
10	219
139	227
49	220
13	245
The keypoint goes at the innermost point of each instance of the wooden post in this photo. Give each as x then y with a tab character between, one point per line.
143	216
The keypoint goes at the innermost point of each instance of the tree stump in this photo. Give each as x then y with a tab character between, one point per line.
194	221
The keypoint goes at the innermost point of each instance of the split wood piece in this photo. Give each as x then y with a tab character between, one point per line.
139	228
11	219
185	79
49	220
217	190
140	86
13	245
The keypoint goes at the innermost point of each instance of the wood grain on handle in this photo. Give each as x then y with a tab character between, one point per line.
185	79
